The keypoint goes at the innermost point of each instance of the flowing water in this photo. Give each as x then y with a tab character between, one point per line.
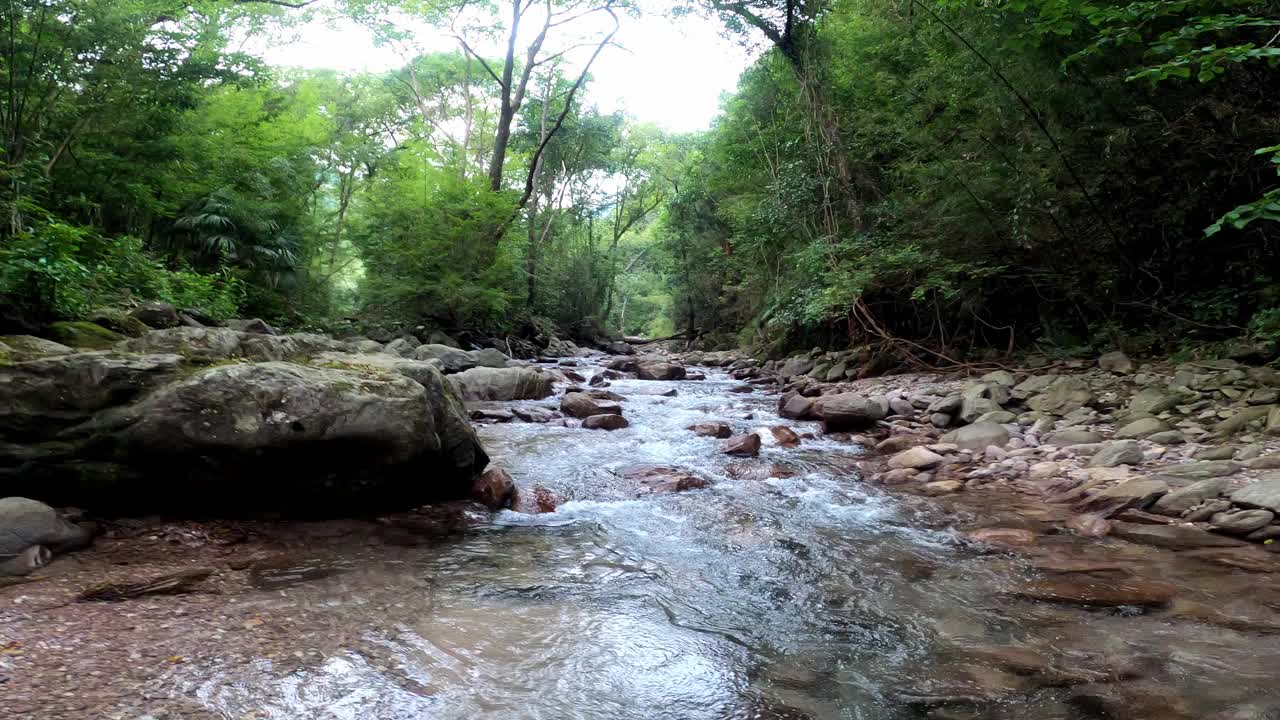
787	589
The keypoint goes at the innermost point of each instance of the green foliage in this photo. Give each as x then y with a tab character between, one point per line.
65	271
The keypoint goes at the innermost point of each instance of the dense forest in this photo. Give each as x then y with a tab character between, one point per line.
935	179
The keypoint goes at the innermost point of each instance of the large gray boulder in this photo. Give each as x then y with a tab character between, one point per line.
142	432
516	383
39	398
849	411
25	522
289	436
452	359
196	344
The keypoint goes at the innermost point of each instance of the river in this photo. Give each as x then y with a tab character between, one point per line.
789	589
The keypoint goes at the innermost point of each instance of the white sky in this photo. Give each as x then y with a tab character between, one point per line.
668	72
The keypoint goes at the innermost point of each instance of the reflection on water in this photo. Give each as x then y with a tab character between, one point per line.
808	596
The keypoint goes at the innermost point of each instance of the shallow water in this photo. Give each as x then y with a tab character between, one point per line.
809	596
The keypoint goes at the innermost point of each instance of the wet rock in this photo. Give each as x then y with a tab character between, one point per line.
535	500
1136	493
849	411
1072	436
1064	396
1141	428
582	405
1118	452
784	436
25	523
1264	494
1180	500
1116	362
660	479
899	476
492	415
941	487
605	422
1241	522
795	406
1243	558
494	489
502	384
1130	702
659	371
720	430
1003	537
916	458
1089	525
1174	537
25	562
978	436
1095	592
743	445
533	414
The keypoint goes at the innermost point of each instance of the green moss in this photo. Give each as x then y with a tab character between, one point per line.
81	334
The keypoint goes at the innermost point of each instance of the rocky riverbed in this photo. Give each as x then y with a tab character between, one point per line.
663	536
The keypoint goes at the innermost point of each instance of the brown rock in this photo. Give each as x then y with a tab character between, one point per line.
1174	537
659	479
1003	536
605	422
582	405
743	445
534	500
785	436
898	443
1095	592
494	488
795	406
942	487
1089	525
712	429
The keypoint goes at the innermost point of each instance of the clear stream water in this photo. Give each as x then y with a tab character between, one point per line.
811	596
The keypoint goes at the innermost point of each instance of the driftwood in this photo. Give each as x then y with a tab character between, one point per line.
633	340
178	582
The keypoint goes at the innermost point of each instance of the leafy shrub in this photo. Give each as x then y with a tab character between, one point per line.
66	271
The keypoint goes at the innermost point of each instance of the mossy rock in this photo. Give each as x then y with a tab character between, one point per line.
82	334
119	321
